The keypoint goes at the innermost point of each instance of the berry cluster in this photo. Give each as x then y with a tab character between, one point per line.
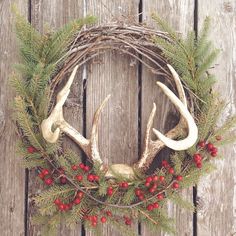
45	175
207	147
82	166
68	206
151	187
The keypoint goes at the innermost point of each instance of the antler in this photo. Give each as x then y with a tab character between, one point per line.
89	146
151	148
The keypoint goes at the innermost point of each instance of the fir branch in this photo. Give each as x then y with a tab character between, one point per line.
56	191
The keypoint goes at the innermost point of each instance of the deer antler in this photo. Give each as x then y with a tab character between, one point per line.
89	146
151	148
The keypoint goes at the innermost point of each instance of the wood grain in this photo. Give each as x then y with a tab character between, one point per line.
217	192
114	74
12	175
53	14
180	16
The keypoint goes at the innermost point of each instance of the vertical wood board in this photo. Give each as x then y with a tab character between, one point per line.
112	73
52	15
217	192
179	14
12	192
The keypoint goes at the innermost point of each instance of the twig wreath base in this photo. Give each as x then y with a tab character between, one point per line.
93	193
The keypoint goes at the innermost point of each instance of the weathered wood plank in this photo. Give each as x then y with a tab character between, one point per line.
180	15
12	192
217	193
53	14
113	74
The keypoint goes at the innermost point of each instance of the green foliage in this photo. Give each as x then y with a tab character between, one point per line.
191	57
76	214
209	116
178	200
54	192
194	174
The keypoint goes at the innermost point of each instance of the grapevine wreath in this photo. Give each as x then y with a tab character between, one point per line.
119	195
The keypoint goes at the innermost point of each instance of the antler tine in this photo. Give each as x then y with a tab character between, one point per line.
193	131
89	146
179	86
94	132
147	138
151	148
56	115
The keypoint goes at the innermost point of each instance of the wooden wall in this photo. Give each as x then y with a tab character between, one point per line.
125	117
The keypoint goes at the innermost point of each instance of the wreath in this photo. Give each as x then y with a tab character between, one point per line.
87	191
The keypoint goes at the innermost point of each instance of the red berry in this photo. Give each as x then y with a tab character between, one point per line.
147	184
150	207
94	218
74	167
77	201
165	163
109	191
124	185
214	149
48	181
171	171
94	223
86	168
103	219
80	195
179	177
214	154
45	172
41	175
152	190
155	205
63	180
154	186
202	144
138	192
161	178
128	222
148	179
175	185
155	178
141	197
31	149
62	207
197	157
81	166
108	213
90	177
79	177
67	207
160	196
57	201
199	165
210	146
96	178
218	137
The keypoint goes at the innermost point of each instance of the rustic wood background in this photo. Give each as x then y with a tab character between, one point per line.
124	119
